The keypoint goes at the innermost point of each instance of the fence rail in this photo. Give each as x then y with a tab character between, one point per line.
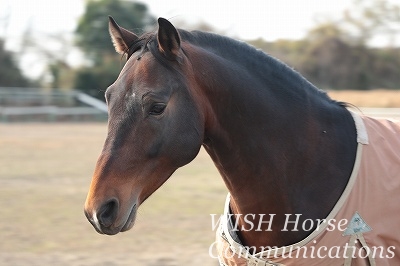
27	104
50	114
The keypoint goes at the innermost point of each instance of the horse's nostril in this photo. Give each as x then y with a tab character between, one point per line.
108	213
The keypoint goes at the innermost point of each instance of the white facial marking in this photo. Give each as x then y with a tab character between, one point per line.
96	221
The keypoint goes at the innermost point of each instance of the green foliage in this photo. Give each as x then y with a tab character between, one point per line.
95	80
331	62
336	56
92	30
93	38
62	75
10	74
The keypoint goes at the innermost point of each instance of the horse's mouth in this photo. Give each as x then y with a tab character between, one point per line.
131	220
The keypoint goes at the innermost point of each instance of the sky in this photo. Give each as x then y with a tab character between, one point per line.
250	19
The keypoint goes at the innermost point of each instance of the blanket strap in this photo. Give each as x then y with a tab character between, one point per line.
352	247
243	252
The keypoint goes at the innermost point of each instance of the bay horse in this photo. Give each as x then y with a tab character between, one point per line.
285	150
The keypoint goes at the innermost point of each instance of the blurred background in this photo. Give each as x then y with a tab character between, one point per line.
56	61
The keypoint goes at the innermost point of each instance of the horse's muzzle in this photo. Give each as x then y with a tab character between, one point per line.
104	218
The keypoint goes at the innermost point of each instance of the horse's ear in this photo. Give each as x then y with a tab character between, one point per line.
121	38
169	42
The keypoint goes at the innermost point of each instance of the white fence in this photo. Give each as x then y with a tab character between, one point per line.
26	104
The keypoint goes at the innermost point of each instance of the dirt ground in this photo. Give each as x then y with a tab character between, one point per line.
44	176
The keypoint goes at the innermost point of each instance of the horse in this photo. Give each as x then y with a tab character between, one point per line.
288	154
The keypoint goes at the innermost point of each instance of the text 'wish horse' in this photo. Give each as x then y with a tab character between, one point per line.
310	183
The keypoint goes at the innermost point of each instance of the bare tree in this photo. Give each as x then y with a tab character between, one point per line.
368	19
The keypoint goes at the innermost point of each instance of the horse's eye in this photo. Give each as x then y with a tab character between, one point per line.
157	109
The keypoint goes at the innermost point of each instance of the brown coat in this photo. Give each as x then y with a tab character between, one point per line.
370	204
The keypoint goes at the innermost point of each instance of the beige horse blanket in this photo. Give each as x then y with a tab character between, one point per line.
370	204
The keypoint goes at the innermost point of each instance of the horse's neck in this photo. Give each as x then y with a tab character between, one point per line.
274	156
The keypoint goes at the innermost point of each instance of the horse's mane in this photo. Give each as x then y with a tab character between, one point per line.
240	51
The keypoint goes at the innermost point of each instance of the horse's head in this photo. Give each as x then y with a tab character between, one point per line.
155	126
